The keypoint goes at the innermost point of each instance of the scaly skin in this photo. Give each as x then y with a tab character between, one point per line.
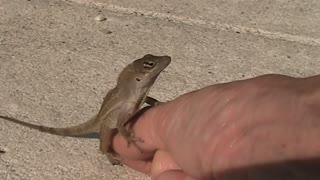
119	105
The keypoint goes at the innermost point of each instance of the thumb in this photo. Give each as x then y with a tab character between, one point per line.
164	167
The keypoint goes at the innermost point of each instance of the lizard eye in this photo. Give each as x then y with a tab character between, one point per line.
138	79
148	65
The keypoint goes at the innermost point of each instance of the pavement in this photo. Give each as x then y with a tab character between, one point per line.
58	58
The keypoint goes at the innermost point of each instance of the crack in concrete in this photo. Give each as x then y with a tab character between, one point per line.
205	24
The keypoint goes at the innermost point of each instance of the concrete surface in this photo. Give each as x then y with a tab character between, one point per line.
57	62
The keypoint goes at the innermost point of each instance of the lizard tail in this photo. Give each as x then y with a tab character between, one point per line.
73	131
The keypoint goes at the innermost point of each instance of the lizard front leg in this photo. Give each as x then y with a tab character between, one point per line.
127	135
123	119
150	101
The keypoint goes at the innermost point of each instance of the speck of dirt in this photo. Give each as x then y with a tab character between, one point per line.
100	18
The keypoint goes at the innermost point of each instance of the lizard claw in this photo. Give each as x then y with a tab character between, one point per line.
132	140
113	160
133	137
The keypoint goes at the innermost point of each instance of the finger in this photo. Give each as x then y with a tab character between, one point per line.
162	162
174	174
138	165
147	128
121	147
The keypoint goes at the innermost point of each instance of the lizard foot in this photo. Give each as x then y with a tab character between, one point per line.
113	160
131	139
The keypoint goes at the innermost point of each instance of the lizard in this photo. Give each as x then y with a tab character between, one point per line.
120	104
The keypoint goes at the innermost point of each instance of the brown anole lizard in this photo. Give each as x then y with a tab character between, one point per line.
119	105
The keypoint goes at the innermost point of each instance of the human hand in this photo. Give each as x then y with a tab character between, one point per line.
230	131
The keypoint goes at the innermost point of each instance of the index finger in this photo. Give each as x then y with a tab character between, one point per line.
148	127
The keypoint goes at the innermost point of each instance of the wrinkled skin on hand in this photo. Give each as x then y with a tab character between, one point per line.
262	128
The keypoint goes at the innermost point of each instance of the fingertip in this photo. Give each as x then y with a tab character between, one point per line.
141	166
174	174
162	162
152	125
135	151
145	127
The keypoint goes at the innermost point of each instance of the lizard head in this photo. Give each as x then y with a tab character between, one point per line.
144	71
